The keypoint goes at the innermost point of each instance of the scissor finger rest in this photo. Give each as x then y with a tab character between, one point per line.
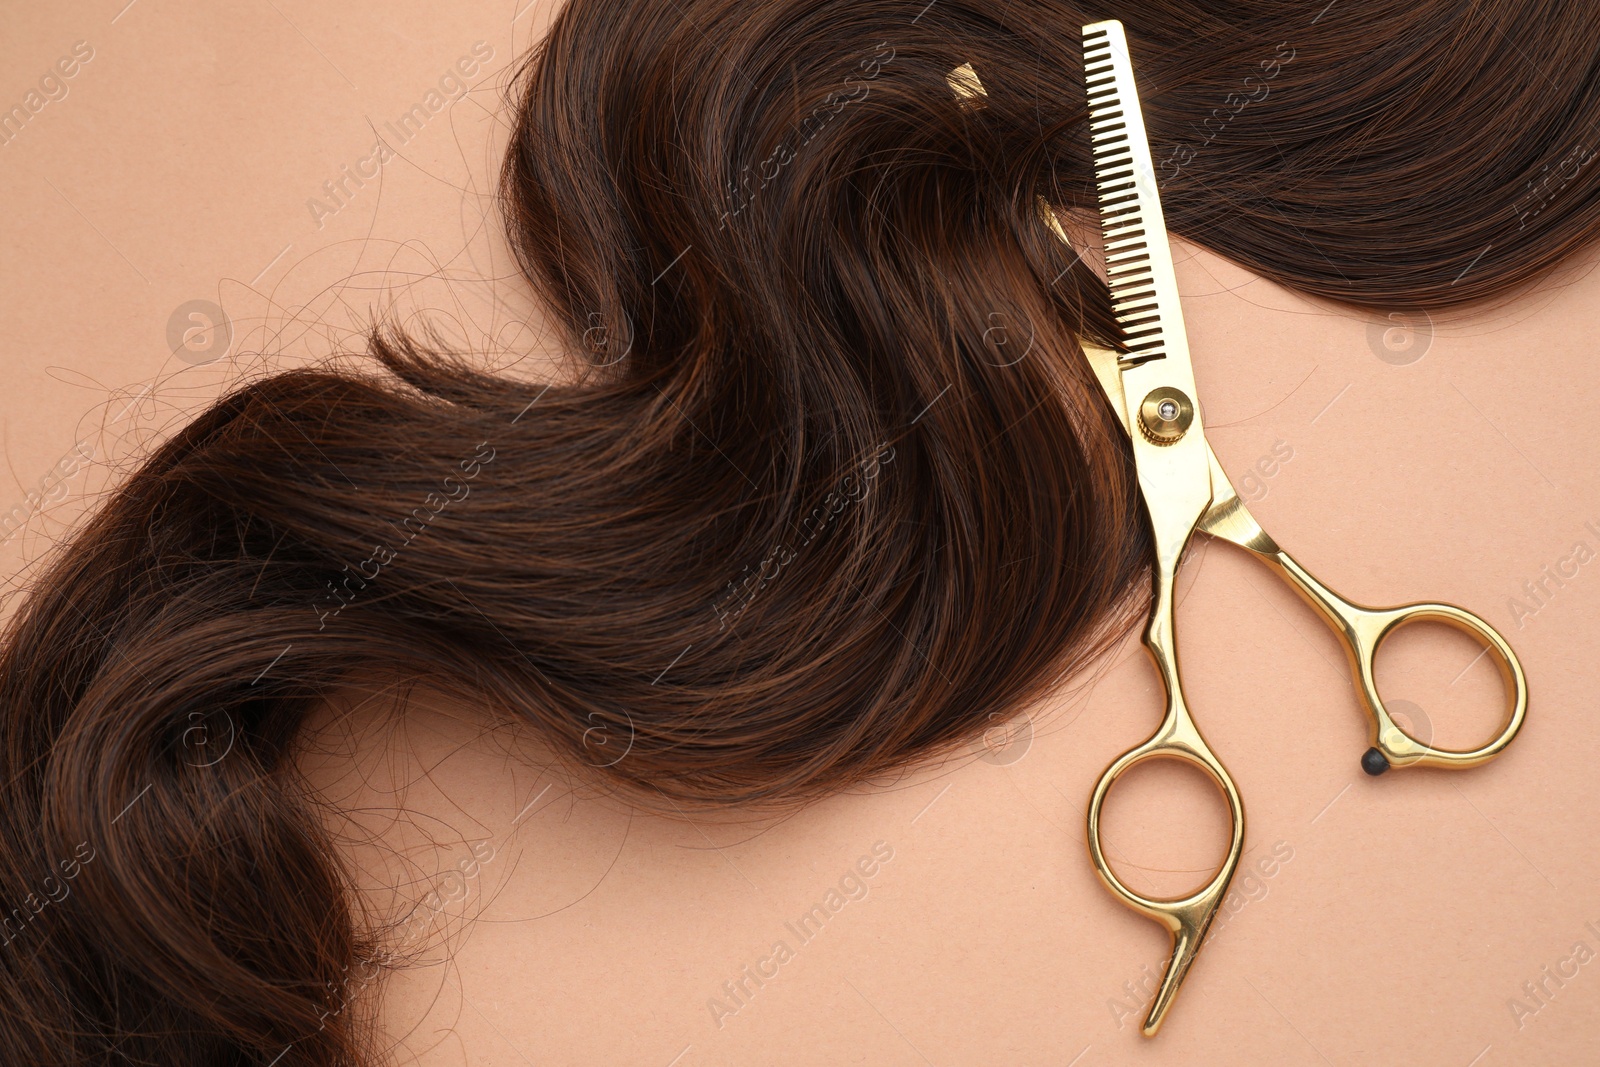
1186	918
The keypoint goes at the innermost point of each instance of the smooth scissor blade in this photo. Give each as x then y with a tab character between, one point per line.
1227	517
1103	361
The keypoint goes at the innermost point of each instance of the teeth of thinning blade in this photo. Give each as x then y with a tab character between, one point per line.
1144	290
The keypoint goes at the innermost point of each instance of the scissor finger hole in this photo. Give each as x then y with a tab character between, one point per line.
1165	828
1441	685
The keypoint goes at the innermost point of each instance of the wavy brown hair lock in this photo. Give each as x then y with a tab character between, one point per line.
833	485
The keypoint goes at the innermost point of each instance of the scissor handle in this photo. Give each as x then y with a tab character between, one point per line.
1364	629
1186	918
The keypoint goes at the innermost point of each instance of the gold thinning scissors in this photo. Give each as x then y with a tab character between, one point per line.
1151	387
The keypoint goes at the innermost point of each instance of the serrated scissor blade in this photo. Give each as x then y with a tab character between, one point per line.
1144	290
1174	473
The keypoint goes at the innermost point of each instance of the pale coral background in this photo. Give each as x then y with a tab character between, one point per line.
1387	921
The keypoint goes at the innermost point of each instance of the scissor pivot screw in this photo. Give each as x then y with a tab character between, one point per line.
1165	415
